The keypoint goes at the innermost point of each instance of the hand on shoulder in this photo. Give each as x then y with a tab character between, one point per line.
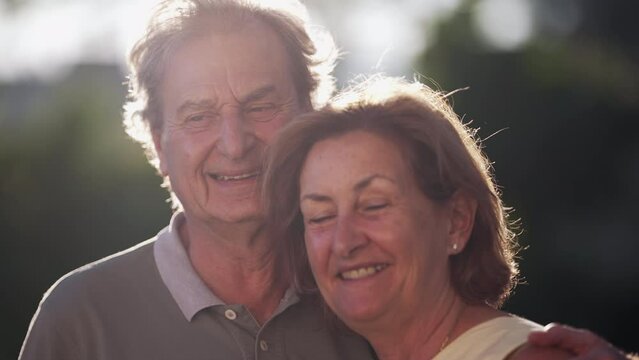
530	352
582	343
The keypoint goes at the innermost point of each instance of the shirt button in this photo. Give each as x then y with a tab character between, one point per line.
263	345
230	314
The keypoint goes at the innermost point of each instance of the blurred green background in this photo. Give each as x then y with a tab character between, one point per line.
558	107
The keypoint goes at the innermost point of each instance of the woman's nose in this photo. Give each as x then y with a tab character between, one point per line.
348	237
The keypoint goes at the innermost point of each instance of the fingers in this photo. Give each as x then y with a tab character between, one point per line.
601	354
583	343
565	337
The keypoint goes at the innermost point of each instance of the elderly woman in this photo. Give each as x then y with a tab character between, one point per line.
387	200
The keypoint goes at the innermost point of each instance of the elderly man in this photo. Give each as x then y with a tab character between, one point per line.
211	83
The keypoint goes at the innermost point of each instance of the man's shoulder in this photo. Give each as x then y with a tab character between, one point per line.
101	277
123	260
102	309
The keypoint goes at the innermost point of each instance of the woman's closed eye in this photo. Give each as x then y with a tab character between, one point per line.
320	219
374	206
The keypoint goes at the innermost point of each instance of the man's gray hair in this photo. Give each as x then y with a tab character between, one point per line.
311	53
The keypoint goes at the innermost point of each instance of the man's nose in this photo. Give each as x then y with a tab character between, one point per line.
348	237
236	136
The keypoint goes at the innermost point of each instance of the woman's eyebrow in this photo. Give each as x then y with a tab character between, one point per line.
315	197
365	182
358	187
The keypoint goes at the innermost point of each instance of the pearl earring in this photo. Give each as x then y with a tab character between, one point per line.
455	247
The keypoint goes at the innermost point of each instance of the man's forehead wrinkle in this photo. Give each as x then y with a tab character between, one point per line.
247	86
232	73
238	80
248	70
257	94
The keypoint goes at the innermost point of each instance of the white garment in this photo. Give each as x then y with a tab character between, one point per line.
491	340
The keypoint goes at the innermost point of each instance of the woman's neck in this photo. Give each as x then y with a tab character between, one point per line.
423	336
427	336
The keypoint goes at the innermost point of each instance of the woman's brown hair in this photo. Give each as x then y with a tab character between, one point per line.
444	157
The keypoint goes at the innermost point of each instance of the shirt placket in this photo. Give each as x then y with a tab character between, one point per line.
241	326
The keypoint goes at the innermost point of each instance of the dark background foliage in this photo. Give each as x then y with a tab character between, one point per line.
560	119
565	119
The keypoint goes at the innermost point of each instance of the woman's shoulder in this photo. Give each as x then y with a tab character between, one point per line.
519	328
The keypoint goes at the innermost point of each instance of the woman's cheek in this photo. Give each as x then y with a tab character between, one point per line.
318	244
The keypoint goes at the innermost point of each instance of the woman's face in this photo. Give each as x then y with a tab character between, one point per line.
378	247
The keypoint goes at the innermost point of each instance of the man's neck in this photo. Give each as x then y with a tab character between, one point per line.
237	262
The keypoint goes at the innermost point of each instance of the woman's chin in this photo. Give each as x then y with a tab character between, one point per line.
359	314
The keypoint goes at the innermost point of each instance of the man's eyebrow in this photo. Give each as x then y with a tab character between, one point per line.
362	184
196	104
257	94
209	104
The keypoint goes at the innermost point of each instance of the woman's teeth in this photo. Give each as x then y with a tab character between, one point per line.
362	272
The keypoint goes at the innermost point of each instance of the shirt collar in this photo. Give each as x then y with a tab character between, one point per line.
187	288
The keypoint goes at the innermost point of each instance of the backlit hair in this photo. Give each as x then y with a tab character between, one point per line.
311	59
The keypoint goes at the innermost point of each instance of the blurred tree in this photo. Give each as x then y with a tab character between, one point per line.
73	189
13	5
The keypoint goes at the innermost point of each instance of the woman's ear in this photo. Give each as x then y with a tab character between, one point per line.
462	210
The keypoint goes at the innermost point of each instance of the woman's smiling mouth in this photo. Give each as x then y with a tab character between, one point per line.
362	272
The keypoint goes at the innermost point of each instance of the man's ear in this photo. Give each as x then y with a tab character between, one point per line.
462	211
157	143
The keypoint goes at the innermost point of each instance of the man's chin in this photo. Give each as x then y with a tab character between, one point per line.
252	213
225	210
242	219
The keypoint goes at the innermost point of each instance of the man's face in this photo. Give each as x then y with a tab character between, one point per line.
224	97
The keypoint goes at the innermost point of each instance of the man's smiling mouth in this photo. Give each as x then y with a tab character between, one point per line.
220	177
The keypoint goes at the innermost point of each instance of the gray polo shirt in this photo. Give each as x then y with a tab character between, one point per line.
147	302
